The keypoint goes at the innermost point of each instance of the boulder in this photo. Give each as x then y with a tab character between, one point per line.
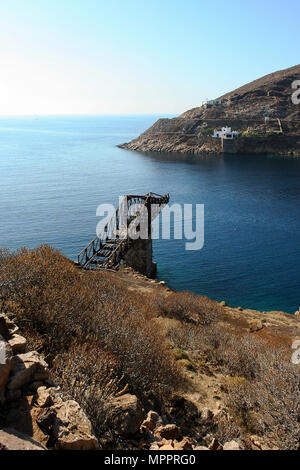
4	330
207	439
153	419
255	325
12	327
183	412
72	429
169	431
167	447
35	385
27	368
232	445
46	420
125	414
68	426
18	344
256	442
154	446
184	444
6	365
207	416
44	397
22	417
164	442
297	314
200	448
10	439
215	445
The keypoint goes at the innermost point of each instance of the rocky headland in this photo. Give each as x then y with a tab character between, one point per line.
244	110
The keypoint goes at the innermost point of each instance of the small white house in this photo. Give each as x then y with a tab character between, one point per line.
225	133
209	103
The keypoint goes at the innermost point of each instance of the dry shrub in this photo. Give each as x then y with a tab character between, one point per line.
4	255
186	337
240	355
88	374
263	392
49	294
63	307
226	428
234	353
189	307
269	403
141	350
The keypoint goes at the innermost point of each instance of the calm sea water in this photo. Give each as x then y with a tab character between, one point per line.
55	172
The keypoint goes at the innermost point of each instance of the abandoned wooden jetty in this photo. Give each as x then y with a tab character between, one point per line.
116	244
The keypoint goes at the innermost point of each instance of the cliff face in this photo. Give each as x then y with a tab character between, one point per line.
243	109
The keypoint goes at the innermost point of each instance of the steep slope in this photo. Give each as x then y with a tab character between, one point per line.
243	109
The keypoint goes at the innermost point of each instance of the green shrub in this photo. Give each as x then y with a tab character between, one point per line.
180	354
208	131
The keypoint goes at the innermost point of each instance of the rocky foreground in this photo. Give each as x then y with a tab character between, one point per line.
244	110
114	360
35	415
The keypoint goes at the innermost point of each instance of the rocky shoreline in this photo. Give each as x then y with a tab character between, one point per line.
285	145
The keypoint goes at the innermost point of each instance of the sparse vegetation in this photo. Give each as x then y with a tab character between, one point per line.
101	338
256	133
269	405
62	310
261	385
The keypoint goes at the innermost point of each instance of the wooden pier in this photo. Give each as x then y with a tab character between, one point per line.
114	245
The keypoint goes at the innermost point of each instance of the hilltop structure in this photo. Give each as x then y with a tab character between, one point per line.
263	112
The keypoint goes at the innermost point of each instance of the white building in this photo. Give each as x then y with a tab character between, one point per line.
209	103
225	133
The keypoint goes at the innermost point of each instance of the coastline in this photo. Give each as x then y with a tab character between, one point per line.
278	145
143	283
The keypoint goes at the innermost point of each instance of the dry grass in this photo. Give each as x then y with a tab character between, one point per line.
88	375
269	405
262	388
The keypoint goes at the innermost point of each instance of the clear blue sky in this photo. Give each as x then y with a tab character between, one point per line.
138	56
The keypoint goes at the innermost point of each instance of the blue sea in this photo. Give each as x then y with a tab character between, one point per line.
55	171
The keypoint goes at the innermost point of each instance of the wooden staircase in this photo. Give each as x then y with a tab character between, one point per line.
107	250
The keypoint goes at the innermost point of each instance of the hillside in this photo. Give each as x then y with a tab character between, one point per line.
243	109
148	368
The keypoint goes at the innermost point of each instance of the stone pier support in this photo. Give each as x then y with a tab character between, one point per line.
139	257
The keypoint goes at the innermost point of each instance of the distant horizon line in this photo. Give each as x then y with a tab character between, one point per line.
85	115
